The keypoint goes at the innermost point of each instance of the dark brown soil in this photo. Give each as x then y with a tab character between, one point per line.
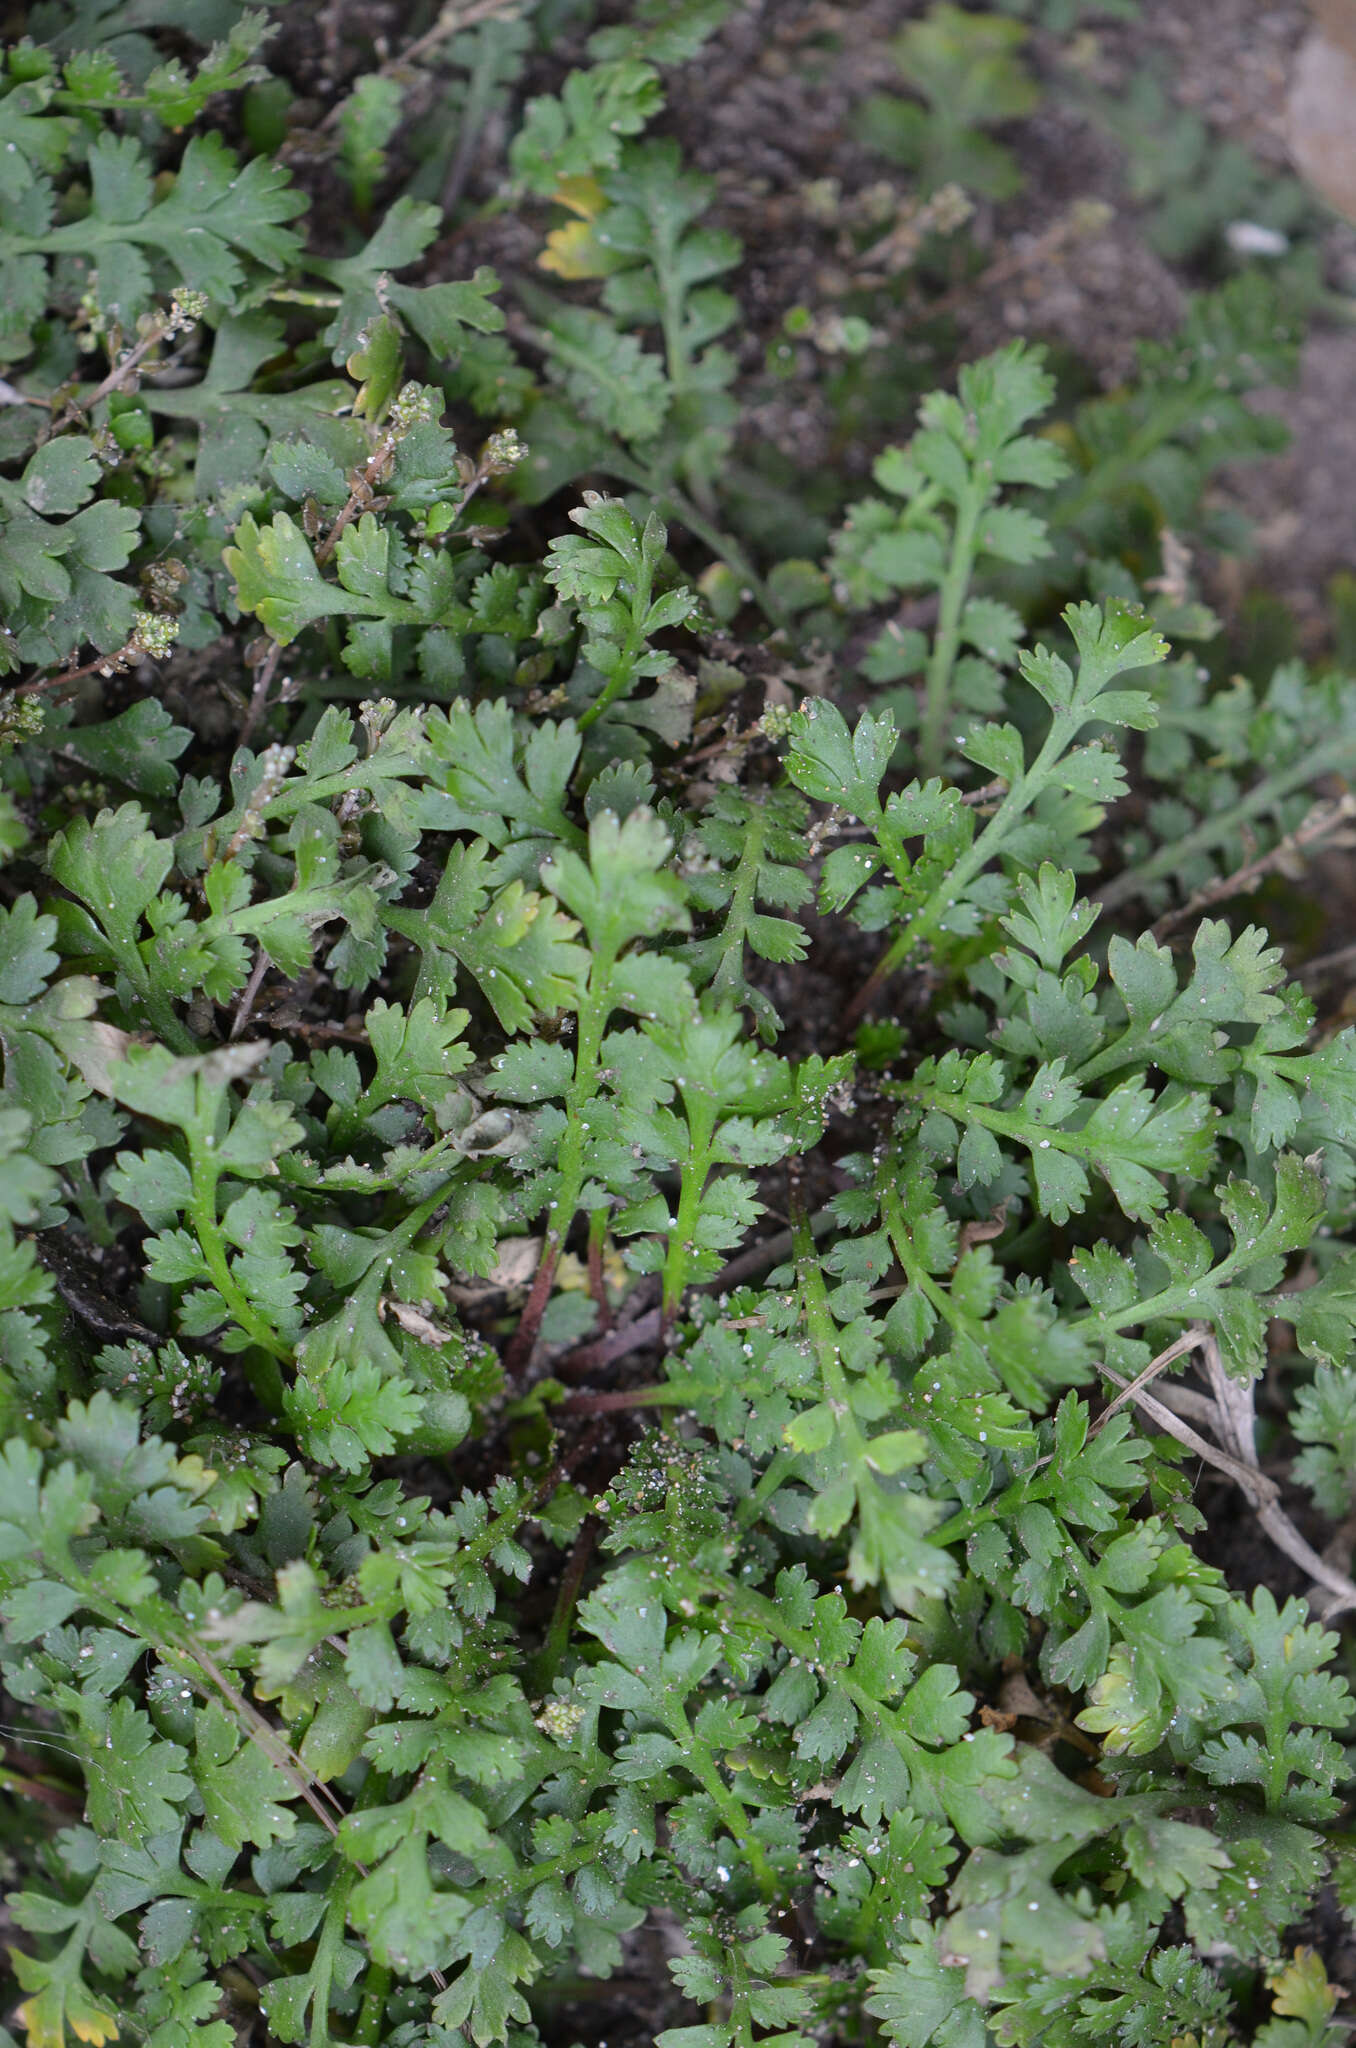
1302	504
769	110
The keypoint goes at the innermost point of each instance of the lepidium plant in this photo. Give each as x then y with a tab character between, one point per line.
519	1431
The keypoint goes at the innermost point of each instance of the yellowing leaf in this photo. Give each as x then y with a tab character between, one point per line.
584	196
1301	1989
574	251
60	2001
89	2019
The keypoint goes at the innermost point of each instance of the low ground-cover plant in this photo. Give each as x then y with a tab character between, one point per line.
519	1425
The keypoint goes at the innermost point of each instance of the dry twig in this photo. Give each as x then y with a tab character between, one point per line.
451	21
251	990
1255	1483
1327	964
1230	1415
263	678
1234	1407
1130	1390
1321	823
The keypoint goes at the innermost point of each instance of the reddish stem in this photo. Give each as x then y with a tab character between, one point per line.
605	1404
263	677
869	989
616	1344
597	1284
524	1338
71	675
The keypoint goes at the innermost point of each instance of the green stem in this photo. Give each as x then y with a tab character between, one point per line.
1130	1044
593	1016
203	1216
632	648
946	643
902	1244
675	504
678	361
823	1334
779	1468
731	1810
1000	1121
474	113
372	2011
728	979
562	1617
296	297
1328	757
964	1524
500	1890
740	2016
156	1007
1102	479
321	1972
1064	726
701	1114
332	1932
597	1250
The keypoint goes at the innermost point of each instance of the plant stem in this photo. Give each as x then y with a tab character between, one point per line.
917	1275
697	1759
592	1022
376	1990
597	1278
678	361
675	504
728	978
567	1597
117	376
632	647
946	643
203	1215
474	113
701	1123
1328	757
925	921
324	301
1000	1121
780	1467
661	1395
155	1005
823	1334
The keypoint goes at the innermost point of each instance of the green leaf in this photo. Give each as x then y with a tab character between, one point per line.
350	1412
512	941
615	383
139	747
277	579
134	1783
242	1787
624	891
441	313
115	865
580	132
